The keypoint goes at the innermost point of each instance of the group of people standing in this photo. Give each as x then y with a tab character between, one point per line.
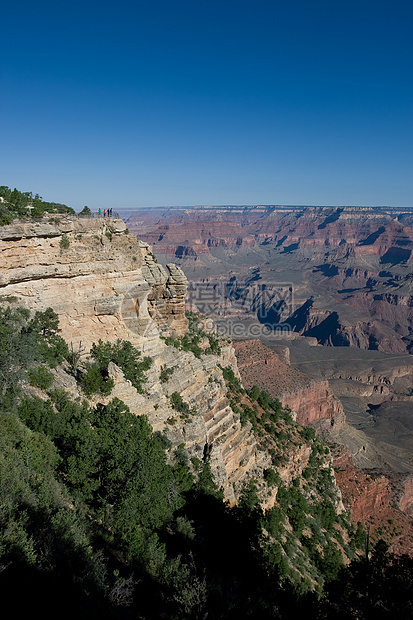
106	212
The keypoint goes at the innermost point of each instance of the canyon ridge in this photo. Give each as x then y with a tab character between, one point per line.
318	301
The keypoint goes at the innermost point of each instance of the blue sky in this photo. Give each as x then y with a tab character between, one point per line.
133	103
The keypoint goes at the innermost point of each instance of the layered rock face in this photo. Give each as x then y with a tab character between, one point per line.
350	272
211	428
345	232
350	267
198	239
311	400
372	500
100	280
166	300
104	284
366	321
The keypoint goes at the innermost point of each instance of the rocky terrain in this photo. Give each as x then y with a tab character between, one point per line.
373	464
350	268
311	400
109	345
101	282
106	285
373	388
329	292
374	499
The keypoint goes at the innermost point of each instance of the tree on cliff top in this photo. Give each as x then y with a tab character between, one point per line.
16	204
85	212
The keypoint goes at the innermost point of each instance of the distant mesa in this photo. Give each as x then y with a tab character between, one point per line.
353	263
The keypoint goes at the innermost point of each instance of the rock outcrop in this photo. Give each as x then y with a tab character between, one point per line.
311	400
349	271
98	278
371	500
104	284
211	427
406	500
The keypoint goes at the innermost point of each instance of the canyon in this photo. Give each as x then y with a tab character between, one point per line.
105	284
350	268
319	304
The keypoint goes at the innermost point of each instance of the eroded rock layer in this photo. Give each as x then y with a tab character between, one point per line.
311	400
350	267
104	284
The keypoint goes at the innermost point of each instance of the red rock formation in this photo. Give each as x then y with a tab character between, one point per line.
357	262
406	501
311	400
345	232
372	501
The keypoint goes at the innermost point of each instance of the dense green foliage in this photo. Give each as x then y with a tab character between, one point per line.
111	461
43	541
41	377
166	373
180	405
123	354
85	212
25	343
101	518
64	242
15	204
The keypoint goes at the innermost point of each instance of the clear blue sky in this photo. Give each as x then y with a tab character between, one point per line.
145	103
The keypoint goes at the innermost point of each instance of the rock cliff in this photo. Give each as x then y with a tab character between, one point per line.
350	267
104	284
95	276
372	499
311	400
349	270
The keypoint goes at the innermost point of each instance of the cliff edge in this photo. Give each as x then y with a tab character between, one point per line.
104	284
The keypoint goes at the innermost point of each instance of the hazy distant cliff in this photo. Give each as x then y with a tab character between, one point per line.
350	267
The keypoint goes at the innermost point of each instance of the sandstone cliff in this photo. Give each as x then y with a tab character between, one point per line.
104	284
100	280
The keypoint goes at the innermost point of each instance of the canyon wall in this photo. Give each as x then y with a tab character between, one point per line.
311	400
350	267
104	284
373	499
93	274
350	273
